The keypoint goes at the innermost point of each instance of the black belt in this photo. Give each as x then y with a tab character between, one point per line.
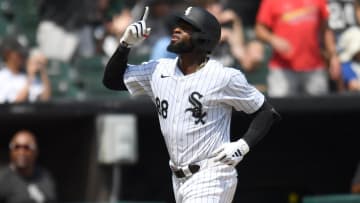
193	168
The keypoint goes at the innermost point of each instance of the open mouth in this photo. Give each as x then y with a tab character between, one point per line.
175	38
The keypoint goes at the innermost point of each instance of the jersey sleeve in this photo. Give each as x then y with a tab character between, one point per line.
137	78
241	95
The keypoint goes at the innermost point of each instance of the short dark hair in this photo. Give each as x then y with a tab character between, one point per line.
26	132
9	44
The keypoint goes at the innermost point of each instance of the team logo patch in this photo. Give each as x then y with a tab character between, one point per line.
188	10
197	110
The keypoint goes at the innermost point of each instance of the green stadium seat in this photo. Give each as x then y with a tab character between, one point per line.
90	72
61	76
26	18
24	22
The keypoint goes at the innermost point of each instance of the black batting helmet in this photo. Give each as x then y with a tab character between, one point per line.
207	28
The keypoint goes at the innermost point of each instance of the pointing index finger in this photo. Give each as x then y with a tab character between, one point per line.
146	13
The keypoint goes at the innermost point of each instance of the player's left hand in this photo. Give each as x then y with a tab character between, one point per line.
231	153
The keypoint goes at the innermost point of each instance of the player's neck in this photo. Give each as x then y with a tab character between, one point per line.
191	64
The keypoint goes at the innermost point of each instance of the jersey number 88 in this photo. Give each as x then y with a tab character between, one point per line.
162	107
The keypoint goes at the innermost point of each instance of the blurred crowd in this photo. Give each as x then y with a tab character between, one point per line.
299	48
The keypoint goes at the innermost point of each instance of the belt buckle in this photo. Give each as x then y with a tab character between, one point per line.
186	171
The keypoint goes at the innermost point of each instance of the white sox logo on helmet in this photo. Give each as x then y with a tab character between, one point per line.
188	10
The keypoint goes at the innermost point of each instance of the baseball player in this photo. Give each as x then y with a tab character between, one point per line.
194	96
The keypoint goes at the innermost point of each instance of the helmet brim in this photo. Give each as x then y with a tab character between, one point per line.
178	18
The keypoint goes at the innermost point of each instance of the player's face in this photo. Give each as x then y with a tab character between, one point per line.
23	151
181	38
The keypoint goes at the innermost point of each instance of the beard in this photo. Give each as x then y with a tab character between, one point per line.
180	47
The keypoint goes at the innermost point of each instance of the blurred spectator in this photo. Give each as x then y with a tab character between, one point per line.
248	54
349	44
158	15
238	47
343	15
357	11
67	27
159	48
15	84
115	29
109	18
23	180
36	68
292	28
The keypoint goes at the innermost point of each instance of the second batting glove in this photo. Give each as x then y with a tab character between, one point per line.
231	153
136	32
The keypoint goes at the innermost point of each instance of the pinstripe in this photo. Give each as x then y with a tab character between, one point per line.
189	137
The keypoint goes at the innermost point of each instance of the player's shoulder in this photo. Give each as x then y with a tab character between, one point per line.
166	61
165	64
159	62
153	64
233	70
226	70
227	75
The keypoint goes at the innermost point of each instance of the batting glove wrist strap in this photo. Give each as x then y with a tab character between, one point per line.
231	153
243	147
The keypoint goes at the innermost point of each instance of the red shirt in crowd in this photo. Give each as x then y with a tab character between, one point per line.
299	22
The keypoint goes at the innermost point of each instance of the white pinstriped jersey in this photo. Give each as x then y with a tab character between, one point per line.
194	110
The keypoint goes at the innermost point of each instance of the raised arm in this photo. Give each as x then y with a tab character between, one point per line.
115	68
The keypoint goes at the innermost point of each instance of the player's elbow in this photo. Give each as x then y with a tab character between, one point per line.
276	116
113	84
268	110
